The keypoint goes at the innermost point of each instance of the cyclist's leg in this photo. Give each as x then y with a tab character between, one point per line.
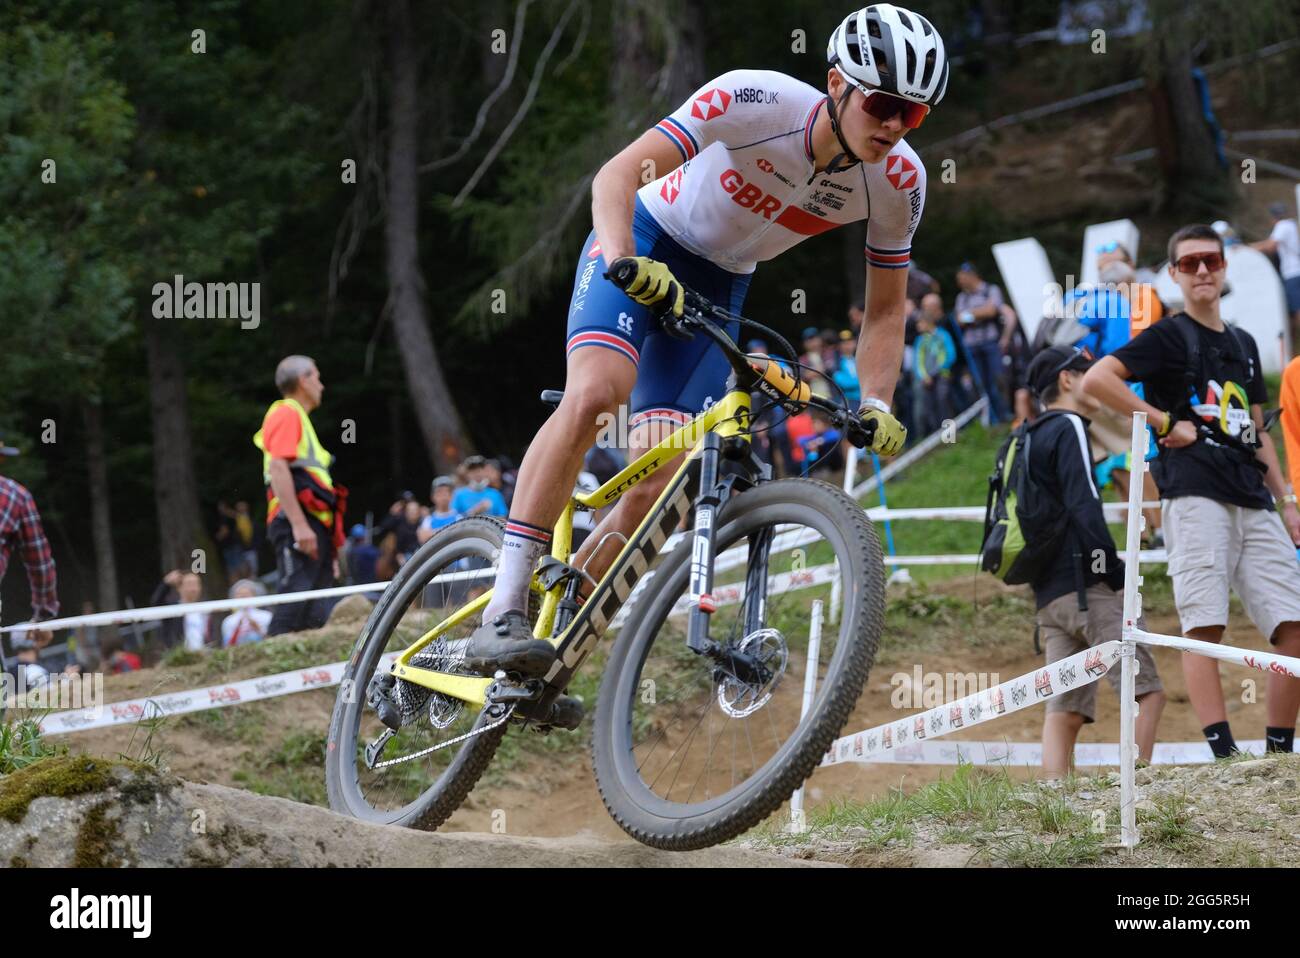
605	334
678	380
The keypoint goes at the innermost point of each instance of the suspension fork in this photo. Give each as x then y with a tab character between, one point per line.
760	550
702	542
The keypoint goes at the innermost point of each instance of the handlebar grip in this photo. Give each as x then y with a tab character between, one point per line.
785	384
622	271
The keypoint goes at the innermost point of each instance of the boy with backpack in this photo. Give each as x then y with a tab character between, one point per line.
1219	476
1047	528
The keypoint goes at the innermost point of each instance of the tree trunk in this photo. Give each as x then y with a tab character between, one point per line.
1195	185
434	409
101	523
176	491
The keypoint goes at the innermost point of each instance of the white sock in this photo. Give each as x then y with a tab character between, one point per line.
523	546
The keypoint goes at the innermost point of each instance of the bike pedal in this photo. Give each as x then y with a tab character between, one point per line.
503	691
566	713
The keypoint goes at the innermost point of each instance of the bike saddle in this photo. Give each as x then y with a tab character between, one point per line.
552	397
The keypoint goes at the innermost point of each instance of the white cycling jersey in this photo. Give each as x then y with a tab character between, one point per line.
747	190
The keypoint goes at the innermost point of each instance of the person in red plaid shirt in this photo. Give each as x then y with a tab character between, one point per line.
20	526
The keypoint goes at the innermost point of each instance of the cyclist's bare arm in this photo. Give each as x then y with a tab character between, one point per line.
613	190
880	347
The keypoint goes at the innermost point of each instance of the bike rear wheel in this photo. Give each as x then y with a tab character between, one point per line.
688	754
423	791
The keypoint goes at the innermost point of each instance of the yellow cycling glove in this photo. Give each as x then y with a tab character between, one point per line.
653	283
887	433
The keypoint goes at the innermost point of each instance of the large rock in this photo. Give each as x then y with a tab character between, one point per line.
77	811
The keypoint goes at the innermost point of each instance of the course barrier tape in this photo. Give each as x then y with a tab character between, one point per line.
176	610
196	700
1269	662
1064	675
1030	754
1113	511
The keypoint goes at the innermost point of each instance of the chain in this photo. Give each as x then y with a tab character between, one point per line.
441	745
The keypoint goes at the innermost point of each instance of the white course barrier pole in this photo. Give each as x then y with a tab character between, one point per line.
1128	708
850	477
798	821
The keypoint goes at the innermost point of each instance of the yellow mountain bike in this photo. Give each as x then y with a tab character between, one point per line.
698	731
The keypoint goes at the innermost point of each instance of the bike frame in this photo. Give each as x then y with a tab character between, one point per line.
701	441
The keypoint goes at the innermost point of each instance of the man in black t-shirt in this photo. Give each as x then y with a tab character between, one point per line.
1218	476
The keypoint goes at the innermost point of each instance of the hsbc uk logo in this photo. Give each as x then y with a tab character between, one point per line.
594	251
672	186
766	166
710	104
754	95
900	171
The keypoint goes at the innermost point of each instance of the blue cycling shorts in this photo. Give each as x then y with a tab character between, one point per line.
676	379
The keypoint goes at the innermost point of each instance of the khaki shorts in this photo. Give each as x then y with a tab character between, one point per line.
1109	432
1212	546
1067	631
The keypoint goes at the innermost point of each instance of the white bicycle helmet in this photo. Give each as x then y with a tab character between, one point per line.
891	49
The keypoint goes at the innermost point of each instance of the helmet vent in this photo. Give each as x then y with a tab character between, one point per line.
927	75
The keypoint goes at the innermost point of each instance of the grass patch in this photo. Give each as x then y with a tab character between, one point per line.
1030	851
1008	823
239	723
969	794
1169	824
21	744
918	620
295	769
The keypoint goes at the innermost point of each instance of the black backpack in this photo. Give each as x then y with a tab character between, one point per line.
1024	527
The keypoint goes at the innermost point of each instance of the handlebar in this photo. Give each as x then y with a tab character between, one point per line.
765	375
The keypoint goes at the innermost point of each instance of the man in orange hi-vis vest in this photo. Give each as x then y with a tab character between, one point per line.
304	507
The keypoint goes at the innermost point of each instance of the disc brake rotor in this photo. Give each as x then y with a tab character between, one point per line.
739	698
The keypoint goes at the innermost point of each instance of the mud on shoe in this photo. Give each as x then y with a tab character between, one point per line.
506	644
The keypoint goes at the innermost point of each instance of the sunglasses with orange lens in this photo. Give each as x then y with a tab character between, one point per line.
884	107
1191	263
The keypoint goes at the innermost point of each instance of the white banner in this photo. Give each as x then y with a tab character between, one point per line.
196	700
1030	754
1269	662
1064	675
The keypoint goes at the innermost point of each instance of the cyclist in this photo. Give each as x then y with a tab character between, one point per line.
752	164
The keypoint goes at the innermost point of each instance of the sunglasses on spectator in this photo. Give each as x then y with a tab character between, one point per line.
1191	263
1109	247
886	106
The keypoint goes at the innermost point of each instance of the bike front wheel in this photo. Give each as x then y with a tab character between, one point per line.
690	750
